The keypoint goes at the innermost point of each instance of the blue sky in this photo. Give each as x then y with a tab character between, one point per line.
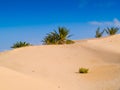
30	20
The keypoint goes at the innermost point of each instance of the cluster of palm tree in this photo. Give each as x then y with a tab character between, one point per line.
61	36
109	31
58	37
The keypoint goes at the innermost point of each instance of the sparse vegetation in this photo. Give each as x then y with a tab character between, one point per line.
98	33
83	70
60	37
112	30
109	31
20	44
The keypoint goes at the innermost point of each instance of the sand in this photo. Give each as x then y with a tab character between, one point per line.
55	67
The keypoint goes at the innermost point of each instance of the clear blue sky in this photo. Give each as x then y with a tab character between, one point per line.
30	20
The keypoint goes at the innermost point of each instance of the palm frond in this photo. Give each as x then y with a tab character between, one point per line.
98	33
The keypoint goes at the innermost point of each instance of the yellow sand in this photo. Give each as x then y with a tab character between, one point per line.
55	67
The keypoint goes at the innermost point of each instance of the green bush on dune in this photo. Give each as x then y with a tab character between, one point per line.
20	44
69	42
58	37
83	70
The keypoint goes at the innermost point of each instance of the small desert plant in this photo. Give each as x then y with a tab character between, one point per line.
112	30
69	42
20	44
58	37
83	70
98	33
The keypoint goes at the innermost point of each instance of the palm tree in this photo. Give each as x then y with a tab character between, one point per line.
112	30
63	34
20	44
59	37
51	38
98	33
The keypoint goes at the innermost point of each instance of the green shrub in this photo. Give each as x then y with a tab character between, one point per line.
20	44
83	70
69	42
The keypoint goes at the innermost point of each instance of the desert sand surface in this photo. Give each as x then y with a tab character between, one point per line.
55	67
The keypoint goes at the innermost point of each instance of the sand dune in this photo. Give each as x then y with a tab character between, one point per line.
55	67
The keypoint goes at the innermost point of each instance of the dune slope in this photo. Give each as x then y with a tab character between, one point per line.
55	67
